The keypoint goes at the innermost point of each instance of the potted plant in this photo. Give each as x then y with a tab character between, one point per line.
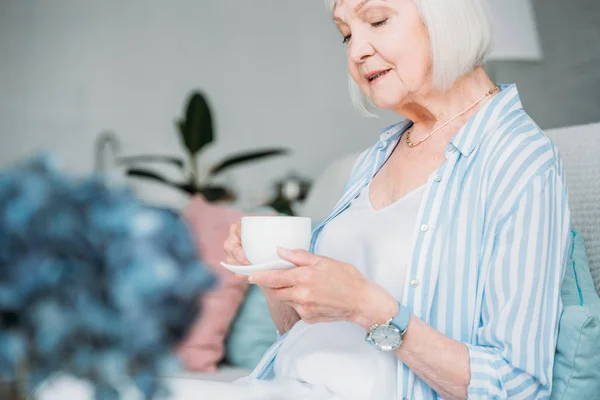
196	132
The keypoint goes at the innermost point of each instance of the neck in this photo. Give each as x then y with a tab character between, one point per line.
428	109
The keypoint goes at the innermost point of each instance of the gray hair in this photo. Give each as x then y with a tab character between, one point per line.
461	36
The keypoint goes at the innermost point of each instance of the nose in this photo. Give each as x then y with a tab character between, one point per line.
359	48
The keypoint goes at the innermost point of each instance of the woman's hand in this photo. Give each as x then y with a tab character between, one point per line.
283	315
321	289
233	246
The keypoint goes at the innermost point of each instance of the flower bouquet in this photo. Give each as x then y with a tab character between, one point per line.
93	283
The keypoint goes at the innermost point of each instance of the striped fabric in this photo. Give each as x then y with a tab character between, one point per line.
491	244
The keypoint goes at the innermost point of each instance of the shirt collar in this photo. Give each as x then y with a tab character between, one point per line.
469	136
393	132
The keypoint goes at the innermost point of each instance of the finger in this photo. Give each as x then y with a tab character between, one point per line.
240	255
232	242
277	279
234	252
299	257
237	249
287	295
235	230
297	296
228	246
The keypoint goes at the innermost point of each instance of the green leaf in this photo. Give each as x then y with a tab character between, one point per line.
197	129
180	126
153	176
151	158
245	157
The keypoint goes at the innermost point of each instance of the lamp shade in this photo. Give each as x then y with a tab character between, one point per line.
516	35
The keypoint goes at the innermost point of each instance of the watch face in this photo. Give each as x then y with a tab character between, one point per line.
386	337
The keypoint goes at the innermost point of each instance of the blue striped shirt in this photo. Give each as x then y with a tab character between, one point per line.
491	243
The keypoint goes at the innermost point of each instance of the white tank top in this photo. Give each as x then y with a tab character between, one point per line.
335	354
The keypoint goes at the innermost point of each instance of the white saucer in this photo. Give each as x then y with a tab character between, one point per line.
250	269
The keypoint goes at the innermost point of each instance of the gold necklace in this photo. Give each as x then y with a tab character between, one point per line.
411	144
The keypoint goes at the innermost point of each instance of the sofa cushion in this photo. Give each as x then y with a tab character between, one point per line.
577	359
252	332
204	346
579	147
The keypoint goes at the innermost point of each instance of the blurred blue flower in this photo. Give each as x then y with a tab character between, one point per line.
92	282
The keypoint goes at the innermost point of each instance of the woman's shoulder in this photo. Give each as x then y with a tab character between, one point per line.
517	146
517	155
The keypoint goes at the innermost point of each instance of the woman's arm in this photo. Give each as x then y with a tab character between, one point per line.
442	362
516	339
284	316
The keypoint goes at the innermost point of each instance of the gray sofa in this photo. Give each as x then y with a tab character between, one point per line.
579	147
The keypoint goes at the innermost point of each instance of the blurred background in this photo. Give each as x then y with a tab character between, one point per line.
96	82
274	73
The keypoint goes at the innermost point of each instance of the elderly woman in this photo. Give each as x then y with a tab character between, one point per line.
447	249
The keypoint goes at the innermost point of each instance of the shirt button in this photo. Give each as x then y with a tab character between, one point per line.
450	147
424	228
437	178
414	283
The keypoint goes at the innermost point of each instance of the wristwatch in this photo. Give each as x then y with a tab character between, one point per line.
388	336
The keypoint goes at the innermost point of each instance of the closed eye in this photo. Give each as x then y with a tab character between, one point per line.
379	23
373	24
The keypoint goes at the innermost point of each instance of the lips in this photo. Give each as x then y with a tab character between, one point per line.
375	75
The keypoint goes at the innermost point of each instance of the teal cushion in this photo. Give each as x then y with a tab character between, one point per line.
252	331
577	360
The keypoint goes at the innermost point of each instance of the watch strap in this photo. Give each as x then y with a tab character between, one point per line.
401	319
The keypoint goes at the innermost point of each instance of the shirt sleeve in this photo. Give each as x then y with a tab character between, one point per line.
513	352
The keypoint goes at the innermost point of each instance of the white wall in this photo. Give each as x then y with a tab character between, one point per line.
274	70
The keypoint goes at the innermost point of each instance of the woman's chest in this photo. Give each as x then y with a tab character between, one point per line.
401	174
377	243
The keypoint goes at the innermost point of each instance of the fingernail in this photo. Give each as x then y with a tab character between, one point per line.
240	255
250	279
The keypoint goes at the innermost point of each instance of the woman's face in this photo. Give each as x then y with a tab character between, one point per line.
388	48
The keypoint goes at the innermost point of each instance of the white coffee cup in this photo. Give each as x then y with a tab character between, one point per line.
261	235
